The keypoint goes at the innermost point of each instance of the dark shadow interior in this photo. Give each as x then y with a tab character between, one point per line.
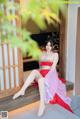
40	39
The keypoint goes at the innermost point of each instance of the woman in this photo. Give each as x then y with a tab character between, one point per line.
52	89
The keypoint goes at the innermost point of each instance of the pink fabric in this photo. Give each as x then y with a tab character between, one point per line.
55	86
55	89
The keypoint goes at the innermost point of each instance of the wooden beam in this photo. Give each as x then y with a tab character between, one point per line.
4	67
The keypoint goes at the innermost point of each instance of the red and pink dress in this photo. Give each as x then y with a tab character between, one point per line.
54	87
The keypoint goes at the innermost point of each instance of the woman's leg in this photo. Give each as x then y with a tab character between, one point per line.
33	75
42	96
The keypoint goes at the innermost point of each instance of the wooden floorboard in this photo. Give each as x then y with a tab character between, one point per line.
31	95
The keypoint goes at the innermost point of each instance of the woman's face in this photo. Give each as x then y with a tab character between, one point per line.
48	46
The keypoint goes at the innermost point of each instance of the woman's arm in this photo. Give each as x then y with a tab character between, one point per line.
55	61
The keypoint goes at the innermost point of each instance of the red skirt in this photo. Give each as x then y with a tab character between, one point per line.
58	100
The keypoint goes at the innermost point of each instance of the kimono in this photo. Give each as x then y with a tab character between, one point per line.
55	89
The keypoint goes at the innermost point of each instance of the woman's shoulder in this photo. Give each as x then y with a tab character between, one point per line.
52	53
43	52
55	53
42	55
55	56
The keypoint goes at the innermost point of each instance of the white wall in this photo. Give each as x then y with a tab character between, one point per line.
71	42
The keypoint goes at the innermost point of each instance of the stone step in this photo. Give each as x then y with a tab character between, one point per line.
51	112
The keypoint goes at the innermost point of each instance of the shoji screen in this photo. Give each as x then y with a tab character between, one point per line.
11	65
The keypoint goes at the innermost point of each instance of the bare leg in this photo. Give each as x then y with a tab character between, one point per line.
42	96
34	74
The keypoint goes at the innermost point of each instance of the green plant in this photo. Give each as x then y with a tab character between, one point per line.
37	10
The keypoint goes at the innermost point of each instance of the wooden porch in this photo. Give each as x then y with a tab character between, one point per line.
31	95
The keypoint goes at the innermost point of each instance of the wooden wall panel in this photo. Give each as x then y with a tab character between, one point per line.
6	68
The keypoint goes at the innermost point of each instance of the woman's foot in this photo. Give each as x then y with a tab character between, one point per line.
41	110
20	93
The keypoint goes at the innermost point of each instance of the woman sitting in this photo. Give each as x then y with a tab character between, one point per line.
52	90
